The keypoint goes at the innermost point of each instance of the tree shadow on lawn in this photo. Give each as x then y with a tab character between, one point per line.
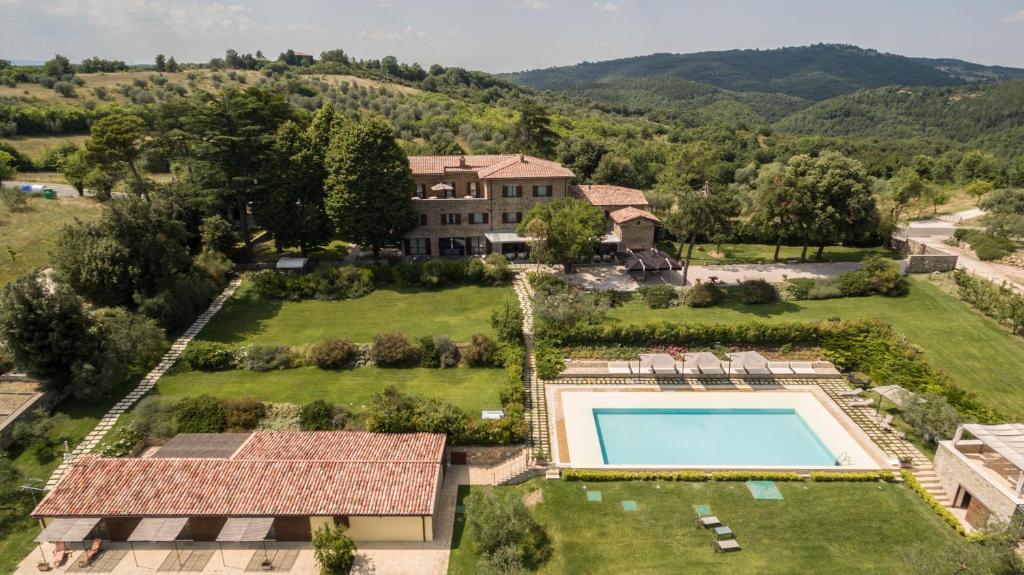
241	317
780	307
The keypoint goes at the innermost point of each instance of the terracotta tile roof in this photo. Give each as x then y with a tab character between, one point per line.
347	446
626	214
605	195
509	166
272	473
105	487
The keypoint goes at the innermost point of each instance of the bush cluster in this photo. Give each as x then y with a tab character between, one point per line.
320	415
209	356
508	322
757	291
393	350
703	295
325	282
437	351
266	357
492	270
200	414
243	414
852	476
482	351
508	536
550	361
986	245
1000	302
659	296
876	276
334	354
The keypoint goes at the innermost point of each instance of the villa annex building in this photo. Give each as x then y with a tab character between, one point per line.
471	205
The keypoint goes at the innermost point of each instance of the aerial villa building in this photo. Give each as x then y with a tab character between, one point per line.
982	467
262	486
471	205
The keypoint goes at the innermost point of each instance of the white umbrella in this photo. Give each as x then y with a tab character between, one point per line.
442	187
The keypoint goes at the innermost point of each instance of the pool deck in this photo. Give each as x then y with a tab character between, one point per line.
577	445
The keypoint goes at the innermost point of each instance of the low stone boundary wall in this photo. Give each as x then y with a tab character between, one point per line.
923	259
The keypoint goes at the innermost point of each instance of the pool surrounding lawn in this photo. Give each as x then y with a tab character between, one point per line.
976	352
458	312
847	528
473	389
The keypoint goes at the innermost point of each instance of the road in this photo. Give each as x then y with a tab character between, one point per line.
63	190
935	232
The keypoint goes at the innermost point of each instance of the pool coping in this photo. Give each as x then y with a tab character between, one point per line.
560	445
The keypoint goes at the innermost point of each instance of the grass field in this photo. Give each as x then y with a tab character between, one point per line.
458	312
31	233
841	528
473	389
974	350
704	254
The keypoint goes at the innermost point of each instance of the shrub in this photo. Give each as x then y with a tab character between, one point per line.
66	89
121	443
392	349
501	520
214	264
200	414
269	284
592	475
334	550
435	416
508	322
568	308
550	361
437	351
703	295
496	269
852	476
243	414
757	291
266	357
512	428
824	289
885	276
755	476
317	415
280	417
432	273
854	284
482	351
14	199
209	356
659	296
154	417
334	354
217	234
545	282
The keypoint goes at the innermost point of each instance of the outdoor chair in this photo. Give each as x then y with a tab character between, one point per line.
861	403
848	392
91	553
60	554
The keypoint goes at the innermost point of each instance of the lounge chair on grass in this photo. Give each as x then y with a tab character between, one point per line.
861	403
725	545
851	392
91	553
704	517
60	554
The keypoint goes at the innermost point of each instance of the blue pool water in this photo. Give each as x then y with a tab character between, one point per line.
708	437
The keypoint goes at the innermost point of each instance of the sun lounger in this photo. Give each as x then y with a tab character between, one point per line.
685	370
737	370
802	367
850	392
664	370
708	521
861	403
619	368
60	554
758	370
725	545
752	362
779	368
711	369
91	553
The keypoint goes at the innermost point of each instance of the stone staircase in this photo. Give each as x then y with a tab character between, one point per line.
536	400
925	475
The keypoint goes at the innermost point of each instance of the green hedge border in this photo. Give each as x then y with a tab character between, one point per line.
596	475
939	509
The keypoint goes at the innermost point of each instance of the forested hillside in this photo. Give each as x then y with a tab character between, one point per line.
812	73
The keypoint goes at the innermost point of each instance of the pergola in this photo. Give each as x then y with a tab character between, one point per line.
245	530
66	530
1006	439
158	530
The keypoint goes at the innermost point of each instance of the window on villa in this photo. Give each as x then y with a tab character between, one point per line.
418	247
450	193
542	191
512	191
421	191
511	217
451	219
480	218
423	219
477	246
472	190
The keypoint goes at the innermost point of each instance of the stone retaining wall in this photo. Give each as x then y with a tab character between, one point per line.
923	259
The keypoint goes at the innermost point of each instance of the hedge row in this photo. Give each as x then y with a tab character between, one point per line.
944	513
593	475
687	334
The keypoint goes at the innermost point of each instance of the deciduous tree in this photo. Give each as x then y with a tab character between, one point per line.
700	213
574	229
118	140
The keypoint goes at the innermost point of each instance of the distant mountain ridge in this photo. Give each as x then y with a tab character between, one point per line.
813	73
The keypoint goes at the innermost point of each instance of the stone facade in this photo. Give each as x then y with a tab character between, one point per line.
635	234
954	471
922	259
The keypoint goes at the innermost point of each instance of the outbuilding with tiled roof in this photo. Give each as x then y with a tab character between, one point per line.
383	486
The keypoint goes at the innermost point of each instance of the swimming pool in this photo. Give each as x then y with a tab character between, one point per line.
709	437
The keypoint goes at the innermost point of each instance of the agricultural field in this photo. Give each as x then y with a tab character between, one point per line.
26	236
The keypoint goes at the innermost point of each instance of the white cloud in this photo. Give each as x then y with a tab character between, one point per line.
606	7
530	4
392	35
383	3
194	19
1015	18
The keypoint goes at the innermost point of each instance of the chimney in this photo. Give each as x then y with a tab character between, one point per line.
462	161
522	158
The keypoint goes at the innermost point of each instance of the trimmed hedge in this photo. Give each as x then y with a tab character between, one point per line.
209	356
852	476
944	513
594	475
755	476
550	361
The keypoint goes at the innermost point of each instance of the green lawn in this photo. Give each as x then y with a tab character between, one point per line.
974	350
473	389
763	253
458	312
31	233
841	528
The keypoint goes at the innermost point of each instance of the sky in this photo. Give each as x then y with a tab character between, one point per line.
504	35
